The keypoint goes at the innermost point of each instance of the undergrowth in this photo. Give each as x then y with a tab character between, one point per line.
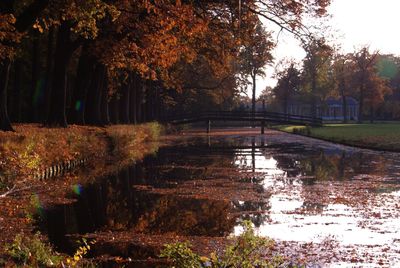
126	141
27	251
245	251
32	252
32	148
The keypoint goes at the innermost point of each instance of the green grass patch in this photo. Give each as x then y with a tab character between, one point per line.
384	136
32	252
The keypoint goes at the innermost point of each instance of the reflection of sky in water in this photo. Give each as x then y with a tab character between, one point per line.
336	221
248	159
348	225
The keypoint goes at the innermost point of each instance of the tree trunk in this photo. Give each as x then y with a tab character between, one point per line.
361	98
344	102
253	99
114	109
5	124
139	104
17	92
49	70
93	103
63	53
371	114
105	115
35	94
24	20
342	87
285	105
124	104
157	103
313	95
361	105
150	101
84	77
132	96
344	109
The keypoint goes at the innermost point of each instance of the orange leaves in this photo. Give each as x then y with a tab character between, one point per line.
376	89
153	37
33	148
366	78
86	14
8	36
83	15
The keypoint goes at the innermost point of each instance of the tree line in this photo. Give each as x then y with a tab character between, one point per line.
373	79
115	61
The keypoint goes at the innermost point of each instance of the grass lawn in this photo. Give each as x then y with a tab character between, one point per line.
384	136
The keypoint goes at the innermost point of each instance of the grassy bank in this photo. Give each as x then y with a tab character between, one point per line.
380	136
31	149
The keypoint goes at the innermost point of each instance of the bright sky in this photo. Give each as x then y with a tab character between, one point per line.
356	23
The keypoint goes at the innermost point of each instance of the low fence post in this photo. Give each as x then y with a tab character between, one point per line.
208	126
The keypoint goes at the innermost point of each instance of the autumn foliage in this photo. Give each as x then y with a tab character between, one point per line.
100	62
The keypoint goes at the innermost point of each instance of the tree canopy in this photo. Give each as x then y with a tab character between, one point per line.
92	58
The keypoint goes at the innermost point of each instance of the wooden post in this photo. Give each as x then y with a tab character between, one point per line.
208	126
262	127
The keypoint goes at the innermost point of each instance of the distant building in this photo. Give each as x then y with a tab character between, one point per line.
331	109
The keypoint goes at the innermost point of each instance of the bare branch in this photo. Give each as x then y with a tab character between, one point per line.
14	190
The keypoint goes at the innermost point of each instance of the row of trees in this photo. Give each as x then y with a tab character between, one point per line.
102	61
369	77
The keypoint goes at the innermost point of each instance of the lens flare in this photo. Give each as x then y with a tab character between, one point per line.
38	96
77	189
35	201
78	105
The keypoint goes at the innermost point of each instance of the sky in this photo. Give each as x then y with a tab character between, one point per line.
354	23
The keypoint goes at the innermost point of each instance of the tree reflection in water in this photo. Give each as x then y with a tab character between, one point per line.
292	178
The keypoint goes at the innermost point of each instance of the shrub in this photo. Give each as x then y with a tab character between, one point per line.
80	253
32	252
306	131
247	251
181	255
155	130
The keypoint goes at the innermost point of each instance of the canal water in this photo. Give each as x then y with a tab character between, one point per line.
324	204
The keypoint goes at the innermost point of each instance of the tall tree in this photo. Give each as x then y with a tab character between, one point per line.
375	90
155	40
79	20
289	82
342	73
255	55
315	70
365	70
12	28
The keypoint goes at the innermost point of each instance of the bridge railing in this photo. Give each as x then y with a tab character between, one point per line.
242	116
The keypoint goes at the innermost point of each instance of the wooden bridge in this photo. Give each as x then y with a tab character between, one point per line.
257	117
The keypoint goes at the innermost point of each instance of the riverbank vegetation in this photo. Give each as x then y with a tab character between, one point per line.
353	87
380	136
246	250
32	149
